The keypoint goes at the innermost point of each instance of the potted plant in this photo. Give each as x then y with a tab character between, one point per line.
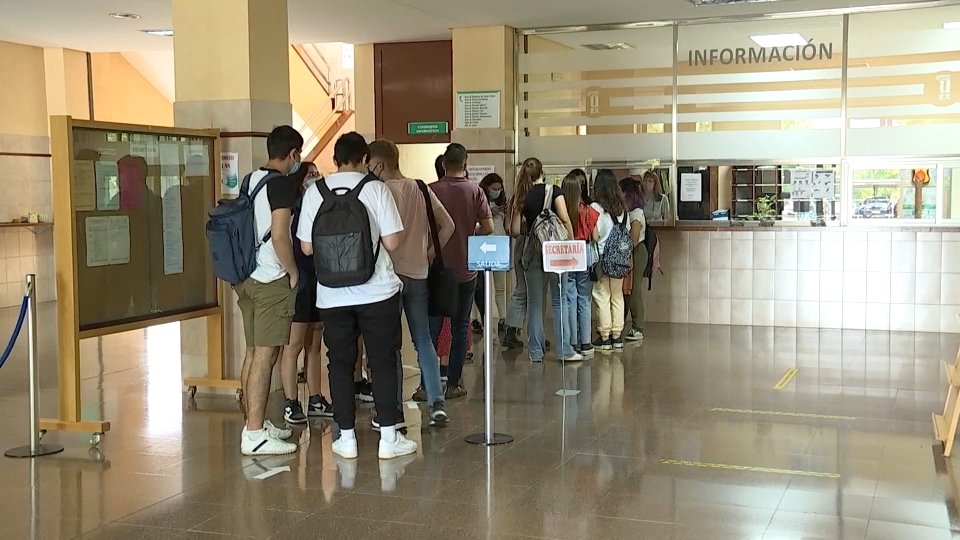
766	206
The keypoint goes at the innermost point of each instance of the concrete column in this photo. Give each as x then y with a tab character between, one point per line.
65	72
232	73
484	59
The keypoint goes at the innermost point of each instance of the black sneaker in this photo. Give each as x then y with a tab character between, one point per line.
502	329
603	344
587	349
319	406
438	414
420	394
443	373
546	345
468	359
617	343
477	327
364	391
510	340
293	412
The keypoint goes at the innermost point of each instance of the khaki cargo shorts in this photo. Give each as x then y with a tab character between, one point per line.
267	311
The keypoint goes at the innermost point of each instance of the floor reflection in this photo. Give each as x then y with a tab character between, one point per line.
682	437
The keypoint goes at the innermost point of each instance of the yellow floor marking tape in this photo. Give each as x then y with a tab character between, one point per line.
787	377
726	467
778	413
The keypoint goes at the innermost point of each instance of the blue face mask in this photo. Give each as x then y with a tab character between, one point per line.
295	168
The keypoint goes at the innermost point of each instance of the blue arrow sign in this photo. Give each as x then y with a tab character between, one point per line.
488	253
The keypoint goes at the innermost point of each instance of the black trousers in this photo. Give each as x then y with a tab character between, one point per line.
379	325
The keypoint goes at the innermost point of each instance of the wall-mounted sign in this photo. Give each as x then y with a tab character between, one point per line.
761	55
428	128
596	102
478	109
939	89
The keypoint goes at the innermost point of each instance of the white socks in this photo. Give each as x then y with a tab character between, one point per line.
388	434
348	434
255	434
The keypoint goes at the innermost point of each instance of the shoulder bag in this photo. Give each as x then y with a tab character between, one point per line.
441	282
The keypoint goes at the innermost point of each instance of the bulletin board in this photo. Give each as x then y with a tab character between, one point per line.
140	201
131	206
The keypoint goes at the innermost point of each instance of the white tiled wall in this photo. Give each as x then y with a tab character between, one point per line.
903	281
25	186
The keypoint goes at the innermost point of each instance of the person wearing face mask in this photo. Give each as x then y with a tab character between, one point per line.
492	185
306	331
266	299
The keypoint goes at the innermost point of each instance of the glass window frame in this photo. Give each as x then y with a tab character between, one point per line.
870	164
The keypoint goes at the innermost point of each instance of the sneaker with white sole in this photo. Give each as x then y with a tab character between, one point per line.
438	414
575	357
346	448
633	335
319	406
293	412
264	444
402	446
275	432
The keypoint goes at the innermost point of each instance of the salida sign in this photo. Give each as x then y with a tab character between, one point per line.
568	256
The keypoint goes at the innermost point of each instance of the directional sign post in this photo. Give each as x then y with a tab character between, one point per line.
488	254
560	258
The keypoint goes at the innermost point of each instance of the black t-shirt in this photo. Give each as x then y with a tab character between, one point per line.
533	204
281	192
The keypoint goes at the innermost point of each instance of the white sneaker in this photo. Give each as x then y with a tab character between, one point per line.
348	472
400	447
575	357
264	445
275	432
346	448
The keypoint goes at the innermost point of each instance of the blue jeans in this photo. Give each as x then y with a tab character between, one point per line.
459	328
517	304
416	308
579	298
535	278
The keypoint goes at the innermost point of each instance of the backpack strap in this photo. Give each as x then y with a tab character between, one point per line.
547	197
432	218
245	188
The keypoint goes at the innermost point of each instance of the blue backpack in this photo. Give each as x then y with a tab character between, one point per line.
617	257
232	233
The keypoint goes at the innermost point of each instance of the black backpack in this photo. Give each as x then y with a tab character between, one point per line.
343	248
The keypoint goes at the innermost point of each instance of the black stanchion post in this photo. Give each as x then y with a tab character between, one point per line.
34	449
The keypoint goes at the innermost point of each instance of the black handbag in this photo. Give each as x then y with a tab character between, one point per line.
442	284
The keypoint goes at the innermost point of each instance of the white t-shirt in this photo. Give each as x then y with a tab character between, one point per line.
279	193
384	221
606	222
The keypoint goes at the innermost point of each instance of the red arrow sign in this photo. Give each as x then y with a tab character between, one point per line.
563	263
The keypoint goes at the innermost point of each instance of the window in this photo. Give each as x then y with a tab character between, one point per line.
768	191
894	193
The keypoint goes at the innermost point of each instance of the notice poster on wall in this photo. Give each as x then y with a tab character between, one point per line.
229	173
84	186
108	185
172	225
169	159
477	172
824	184
691	187
196	160
801	184
107	240
478	109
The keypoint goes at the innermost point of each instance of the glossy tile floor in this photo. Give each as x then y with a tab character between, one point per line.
671	439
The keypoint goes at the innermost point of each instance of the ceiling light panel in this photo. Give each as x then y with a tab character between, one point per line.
727	2
125	16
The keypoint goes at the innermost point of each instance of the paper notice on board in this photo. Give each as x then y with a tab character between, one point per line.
108	185
477	172
801	184
172	225
169	159
824	184
107	240
84	186
197	160
691	187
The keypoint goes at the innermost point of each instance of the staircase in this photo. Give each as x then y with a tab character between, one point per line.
325	123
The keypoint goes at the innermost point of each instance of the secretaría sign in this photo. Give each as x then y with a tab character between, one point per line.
760	55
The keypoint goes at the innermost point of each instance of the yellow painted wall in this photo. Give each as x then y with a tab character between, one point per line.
416	160
306	95
23	99
121	94
75	74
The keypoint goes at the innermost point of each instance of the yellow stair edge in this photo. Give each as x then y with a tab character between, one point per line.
953	375
940	428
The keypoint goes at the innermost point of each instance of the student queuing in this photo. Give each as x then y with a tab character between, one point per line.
341	258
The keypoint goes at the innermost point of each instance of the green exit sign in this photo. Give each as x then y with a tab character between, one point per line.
428	128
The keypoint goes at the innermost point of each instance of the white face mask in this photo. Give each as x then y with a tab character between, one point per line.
494	194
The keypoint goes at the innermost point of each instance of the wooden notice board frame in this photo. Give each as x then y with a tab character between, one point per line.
67	238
